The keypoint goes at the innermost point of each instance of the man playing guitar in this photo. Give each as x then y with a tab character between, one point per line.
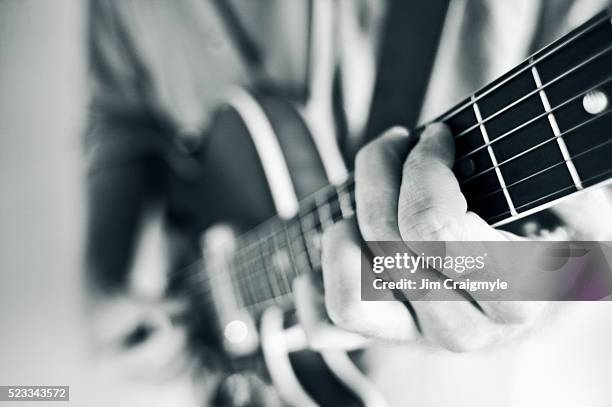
160	69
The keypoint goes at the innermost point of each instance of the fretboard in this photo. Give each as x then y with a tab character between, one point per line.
537	134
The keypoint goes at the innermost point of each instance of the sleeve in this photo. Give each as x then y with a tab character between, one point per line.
122	143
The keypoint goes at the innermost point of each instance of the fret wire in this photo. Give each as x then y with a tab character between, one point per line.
270	270
530	121
282	255
259	289
268	276
552	120
539	116
294	267
301	253
265	283
500	178
246	289
287	227
324	212
240	267
561	162
345	207
461	108
257	278
540	87
558	191
246	276
306	232
522	153
478	199
243	273
273	261
235	288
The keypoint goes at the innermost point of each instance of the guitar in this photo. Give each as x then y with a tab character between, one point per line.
538	134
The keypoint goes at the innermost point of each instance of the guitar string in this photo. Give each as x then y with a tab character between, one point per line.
533	119
535	147
344	192
565	133
531	62
535	91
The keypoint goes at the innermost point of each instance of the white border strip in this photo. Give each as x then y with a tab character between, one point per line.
269	151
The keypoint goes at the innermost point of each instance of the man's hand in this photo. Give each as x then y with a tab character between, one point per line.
407	191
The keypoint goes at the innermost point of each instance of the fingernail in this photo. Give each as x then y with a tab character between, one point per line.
399	130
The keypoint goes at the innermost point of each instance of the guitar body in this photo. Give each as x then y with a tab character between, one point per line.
233	187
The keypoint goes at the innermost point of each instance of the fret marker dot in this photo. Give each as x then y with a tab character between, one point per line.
595	102
236	331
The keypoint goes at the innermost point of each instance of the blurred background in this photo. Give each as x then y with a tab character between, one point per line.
42	111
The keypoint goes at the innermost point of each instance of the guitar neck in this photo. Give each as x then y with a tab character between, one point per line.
535	135
541	131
